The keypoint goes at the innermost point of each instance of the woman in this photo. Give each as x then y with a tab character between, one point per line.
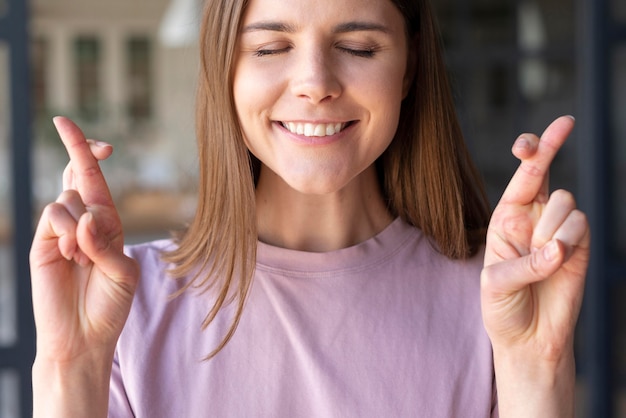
339	230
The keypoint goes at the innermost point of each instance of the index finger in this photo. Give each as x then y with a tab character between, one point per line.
88	177
531	177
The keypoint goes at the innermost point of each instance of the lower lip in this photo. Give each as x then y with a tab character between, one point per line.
315	140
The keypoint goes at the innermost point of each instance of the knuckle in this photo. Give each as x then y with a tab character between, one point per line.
532	169
578	216
53	210
564	198
516	225
91	171
67	196
102	244
534	266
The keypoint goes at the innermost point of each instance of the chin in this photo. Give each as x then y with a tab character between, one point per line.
314	180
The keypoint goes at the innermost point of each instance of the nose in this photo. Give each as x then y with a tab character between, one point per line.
315	78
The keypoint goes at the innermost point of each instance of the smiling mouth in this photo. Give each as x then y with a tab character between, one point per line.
315	129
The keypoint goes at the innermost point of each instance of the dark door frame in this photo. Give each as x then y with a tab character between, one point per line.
19	357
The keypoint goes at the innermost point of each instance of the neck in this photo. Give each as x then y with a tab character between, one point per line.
319	223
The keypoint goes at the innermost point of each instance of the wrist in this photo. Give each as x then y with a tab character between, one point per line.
74	388
531	386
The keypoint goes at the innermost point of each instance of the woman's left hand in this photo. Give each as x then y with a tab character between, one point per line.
535	265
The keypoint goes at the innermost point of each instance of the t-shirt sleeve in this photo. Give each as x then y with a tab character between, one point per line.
119	407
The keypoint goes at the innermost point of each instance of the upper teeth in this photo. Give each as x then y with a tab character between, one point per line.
314	129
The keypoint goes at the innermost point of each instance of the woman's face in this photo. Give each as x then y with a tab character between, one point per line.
318	87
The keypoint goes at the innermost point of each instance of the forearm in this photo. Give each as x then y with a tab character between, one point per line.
77	389
529	387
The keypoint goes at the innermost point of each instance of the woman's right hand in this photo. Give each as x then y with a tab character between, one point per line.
82	283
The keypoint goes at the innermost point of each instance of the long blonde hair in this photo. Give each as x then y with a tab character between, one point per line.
426	173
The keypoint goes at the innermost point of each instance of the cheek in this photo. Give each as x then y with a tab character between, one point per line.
386	102
255	92
242	92
382	87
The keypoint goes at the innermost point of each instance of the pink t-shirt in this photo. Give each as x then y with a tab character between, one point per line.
386	328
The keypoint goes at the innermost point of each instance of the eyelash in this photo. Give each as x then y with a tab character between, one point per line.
362	53
267	52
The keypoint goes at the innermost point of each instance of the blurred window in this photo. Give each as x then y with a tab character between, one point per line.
87	51
480	21
39	85
139	78
513	67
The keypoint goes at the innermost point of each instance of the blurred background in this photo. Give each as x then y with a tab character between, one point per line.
126	70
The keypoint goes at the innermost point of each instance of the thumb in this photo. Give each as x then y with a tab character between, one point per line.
510	276
100	250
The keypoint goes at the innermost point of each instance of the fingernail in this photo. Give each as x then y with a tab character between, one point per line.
550	250
70	255
102	144
571	117
522	142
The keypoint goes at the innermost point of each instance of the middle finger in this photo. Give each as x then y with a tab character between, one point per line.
560	204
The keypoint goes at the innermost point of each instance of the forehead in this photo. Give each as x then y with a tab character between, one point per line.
302	13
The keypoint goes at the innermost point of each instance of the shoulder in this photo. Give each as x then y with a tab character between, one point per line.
149	256
448	288
455	279
149	253
420	252
156	286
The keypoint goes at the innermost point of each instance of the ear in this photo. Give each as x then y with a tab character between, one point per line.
411	65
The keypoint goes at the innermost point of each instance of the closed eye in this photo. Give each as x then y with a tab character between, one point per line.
264	52
363	53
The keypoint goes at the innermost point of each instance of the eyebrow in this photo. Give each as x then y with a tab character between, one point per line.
268	26
355	26
360	27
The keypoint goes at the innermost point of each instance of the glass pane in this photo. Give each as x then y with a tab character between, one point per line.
9	394
619	10
493	22
619	152
553	94
485	98
503	88
39	88
7	279
477	22
49	156
558	18
87	52
139	75
488	96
